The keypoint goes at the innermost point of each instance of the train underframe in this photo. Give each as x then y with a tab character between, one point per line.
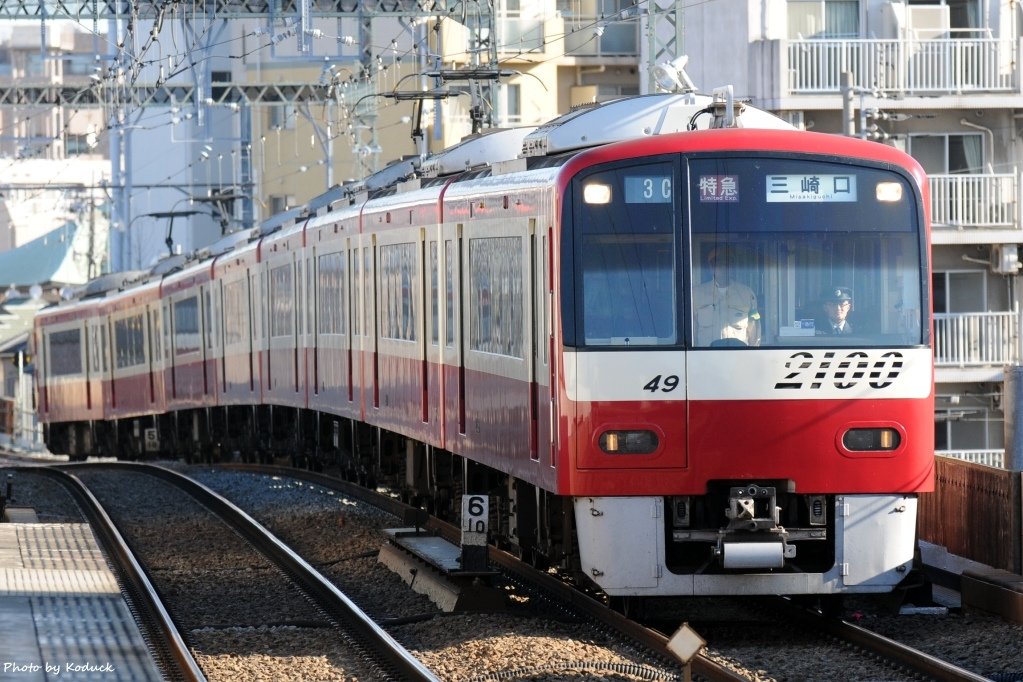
750	537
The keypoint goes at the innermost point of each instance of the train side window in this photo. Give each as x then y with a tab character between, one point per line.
434	295
449	293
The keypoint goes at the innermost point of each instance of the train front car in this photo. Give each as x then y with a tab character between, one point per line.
747	371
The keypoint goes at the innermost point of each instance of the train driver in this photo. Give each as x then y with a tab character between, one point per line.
835	302
725	309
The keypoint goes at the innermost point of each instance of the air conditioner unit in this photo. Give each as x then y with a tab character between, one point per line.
928	22
1005	259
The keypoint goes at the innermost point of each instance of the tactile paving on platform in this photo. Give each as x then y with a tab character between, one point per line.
62	616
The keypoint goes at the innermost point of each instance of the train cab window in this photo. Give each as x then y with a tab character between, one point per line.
625	256
805	240
65	353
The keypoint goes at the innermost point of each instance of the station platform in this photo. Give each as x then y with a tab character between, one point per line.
62	615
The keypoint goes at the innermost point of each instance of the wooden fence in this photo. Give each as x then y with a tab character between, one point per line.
975	512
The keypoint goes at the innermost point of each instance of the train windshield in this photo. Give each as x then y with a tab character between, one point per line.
744	251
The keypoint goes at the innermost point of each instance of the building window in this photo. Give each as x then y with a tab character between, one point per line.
824	19
969	421
75	145
513	104
948	154
961	292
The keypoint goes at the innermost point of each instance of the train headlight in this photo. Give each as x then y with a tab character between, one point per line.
871	440
597	193
639	442
889	192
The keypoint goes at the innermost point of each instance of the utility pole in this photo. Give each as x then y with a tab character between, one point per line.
665	38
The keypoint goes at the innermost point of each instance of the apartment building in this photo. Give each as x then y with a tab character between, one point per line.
54	166
941	81
57	54
938	79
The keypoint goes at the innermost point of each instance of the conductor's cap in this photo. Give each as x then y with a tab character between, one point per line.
836	294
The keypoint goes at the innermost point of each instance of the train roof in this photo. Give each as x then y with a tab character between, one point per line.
644	116
114	281
483	149
228	243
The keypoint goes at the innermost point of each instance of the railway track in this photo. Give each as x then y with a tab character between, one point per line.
848	638
168	647
214	525
557	594
746	649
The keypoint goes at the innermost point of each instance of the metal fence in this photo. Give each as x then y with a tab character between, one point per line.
976	339
988	200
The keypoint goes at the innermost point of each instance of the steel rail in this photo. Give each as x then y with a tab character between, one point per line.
914	659
388	653
934	668
165	641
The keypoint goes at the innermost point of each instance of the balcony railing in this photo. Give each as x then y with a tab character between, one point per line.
516	33
985	200
991	458
907	67
976	339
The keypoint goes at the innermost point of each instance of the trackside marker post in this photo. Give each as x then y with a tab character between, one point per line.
475	517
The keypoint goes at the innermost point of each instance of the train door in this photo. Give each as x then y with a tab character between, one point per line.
358	303
303	295
351	311
424	366
222	335
541	396
454	337
171	326
42	367
109	323
208	336
330	327
152	341
96	366
89	366
369	267
433	338
257	317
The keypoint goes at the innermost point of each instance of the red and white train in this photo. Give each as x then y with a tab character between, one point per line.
610	324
